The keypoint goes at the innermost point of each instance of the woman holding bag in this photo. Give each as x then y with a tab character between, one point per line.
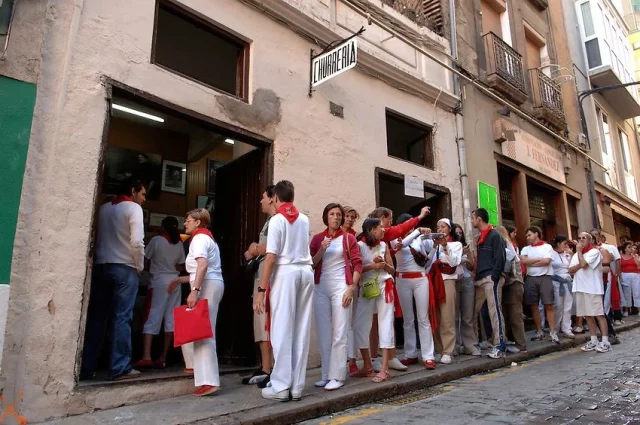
376	295
205	278
337	268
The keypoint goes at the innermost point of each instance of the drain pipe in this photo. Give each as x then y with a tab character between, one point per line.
462	151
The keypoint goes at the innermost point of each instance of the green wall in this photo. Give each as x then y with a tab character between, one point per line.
17	100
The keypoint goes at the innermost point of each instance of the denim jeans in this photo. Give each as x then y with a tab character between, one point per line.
113	294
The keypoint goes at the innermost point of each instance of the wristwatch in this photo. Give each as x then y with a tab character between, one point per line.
261	289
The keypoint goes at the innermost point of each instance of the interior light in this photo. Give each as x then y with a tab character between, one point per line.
229	141
184	169
136	112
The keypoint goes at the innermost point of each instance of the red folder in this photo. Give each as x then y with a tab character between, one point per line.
191	324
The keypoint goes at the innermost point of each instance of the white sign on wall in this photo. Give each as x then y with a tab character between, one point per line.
414	186
534	153
334	62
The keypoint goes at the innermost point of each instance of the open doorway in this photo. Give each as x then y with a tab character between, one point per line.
187	163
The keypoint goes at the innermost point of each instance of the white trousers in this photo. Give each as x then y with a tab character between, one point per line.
408	290
562	307
352	351
187	355
364	319
162	305
205	356
332	326
291	299
631	288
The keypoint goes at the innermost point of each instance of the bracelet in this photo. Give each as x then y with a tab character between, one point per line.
195	289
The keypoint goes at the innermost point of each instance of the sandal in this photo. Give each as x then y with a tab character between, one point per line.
363	373
381	377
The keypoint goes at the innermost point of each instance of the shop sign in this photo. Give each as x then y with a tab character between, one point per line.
334	62
413	186
535	154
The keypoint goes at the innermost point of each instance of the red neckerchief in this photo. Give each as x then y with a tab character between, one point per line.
351	232
202	231
336	235
365	241
167	237
449	238
122	198
587	249
484	234
539	243
289	211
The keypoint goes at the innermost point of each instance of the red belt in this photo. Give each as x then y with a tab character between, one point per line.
411	275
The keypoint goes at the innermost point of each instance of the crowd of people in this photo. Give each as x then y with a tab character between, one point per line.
452	299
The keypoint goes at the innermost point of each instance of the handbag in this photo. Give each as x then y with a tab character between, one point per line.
252	266
420	259
444	268
191	324
370	287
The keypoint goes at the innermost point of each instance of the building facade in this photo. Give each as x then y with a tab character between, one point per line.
130	88
524	158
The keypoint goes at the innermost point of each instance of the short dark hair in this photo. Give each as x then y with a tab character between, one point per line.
625	245
381	212
130	184
329	207
403	218
269	190
535	229
558	240
482	213
368	225
284	191
510	228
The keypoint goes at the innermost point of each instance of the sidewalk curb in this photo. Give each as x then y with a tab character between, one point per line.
326	403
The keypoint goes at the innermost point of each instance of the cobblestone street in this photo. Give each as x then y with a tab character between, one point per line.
561	388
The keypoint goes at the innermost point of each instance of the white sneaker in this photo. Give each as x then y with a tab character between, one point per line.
591	346
321	383
270	394
603	347
512	349
554	338
446	359
568	334
578	330
296	397
334	385
396	364
497	354
377	364
617	323
625	314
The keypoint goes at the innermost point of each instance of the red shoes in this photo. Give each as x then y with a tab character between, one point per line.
409	361
143	364
205	390
430	364
353	368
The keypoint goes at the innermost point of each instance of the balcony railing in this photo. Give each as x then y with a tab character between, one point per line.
547	98
504	61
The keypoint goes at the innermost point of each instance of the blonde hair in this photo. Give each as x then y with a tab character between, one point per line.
200	214
504	233
347	210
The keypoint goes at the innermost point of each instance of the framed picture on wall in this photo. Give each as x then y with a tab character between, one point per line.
212	167
174	177
206	201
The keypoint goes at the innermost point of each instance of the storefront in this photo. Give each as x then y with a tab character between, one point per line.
618	216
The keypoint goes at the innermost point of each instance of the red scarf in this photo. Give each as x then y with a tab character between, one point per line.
336	235
449	238
122	198
167	237
289	211
484	234
351	232
202	231
587	249
539	243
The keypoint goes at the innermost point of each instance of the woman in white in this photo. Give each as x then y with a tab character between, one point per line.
562	284
377	272
630	267
164	256
337	268
412	284
205	278
447	254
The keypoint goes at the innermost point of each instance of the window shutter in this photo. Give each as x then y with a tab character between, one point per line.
488	199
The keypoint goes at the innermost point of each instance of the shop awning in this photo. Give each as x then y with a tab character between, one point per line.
626	213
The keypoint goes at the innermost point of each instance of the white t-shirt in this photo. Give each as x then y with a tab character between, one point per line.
589	280
120	235
368	254
164	257
615	254
511	253
538	252
333	261
202	246
453	258
404	258
560	264
289	242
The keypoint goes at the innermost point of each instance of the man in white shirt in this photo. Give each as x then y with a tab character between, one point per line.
287	266
586	265
119	258
538	284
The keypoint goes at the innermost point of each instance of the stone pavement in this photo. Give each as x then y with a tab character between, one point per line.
239	404
568	387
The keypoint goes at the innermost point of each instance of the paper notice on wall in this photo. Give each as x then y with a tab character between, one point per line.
414	186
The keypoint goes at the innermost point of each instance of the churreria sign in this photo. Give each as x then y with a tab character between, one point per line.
334	62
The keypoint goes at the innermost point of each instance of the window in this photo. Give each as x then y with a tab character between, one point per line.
196	49
587	20
605	133
409	140
491	12
626	154
593	53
